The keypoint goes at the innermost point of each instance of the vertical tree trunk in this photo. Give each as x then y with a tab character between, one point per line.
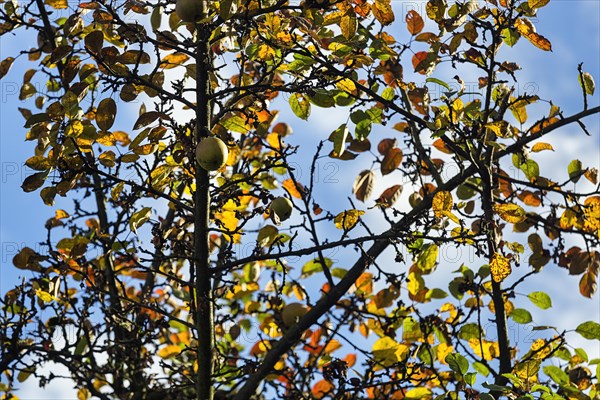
493	240
204	318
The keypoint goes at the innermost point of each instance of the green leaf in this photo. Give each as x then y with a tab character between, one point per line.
457	363
314	266
388	93
531	169
300	105
481	368
338	137
540	299
140	218
587	83
439	82
581	353
470	378
267	235
510	36
411	330
589	330
575	170
436	293
428	258
556	374
521	316
470	331
235	124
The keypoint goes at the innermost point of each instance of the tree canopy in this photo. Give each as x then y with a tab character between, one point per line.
234	269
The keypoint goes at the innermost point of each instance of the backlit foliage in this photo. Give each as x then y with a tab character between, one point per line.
339	301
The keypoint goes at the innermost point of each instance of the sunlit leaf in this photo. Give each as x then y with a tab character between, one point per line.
540	299
589	330
300	105
442	203
139	218
348	219
587	83
428	258
540	146
509	212
499	267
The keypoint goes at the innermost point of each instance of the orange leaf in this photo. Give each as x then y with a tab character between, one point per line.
295	189
414	22
174	60
441	146
321	389
350	360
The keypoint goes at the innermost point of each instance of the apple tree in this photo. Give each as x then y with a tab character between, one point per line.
193	252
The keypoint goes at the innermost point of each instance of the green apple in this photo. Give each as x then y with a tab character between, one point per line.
211	153
292	313
281	209
189	10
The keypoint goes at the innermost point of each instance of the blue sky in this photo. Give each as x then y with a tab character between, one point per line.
573	27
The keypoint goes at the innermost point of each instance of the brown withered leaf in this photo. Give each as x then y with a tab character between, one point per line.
363	185
391	160
105	115
385	145
414	22
389	196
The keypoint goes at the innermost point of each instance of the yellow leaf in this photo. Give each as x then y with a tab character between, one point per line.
490	349
527	369
347	85
443	350
44	296
265	52
539	349
415	283
499	267
526	28
500	128
537	3
346	220
57	4
173	60
61	214
387	351
169	351
364	283
541	147
510	212
332	346
420	393
442	203
461	235
382	11
539	41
